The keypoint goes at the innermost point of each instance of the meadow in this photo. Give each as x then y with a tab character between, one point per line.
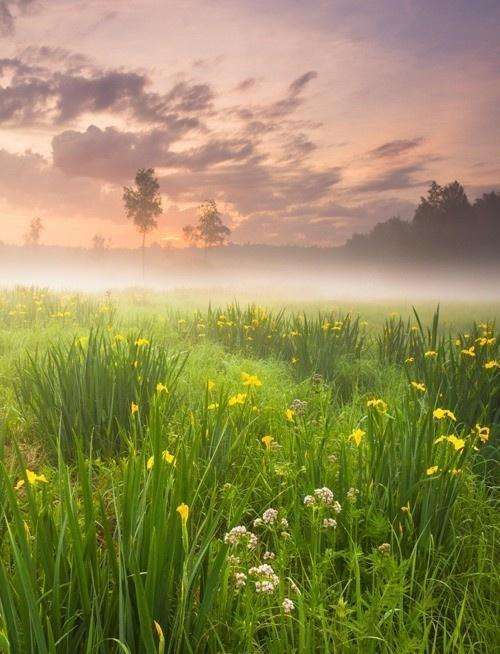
300	476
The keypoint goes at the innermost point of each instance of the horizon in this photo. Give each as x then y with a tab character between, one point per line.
298	145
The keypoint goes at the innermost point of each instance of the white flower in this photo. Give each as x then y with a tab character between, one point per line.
270	516
268	556
266	587
337	507
240	534
285	535
352	495
284	523
324	494
240	580
288	605
233	560
267	578
294	588
329	523
309	500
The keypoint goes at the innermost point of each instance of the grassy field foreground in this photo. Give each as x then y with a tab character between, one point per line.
245	479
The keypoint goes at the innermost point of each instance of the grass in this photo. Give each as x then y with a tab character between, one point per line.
135	437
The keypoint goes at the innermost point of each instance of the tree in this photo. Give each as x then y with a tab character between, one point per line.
143	204
32	236
99	242
210	229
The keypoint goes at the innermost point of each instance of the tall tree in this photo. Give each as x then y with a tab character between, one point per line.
210	229
143	204
32	236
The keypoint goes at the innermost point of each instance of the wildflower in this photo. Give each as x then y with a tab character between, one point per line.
298	406
458	443
32	478
267	578
150	463
440	414
240	580
469	352
288	606
406	508
418	386
213	406
240	534
270	516
384	549
134	408
183	511
357	436
168	457
210	385
233	560
258	522
239	398
455	471
431	471
268	441
289	413
285	535
489	365
324	495
352	495
284	523
482	432
294	360
309	500
430	354
329	523
250	380
268	556
161	388
140	342
379	405
409	360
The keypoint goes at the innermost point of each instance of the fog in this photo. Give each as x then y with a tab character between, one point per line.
290	273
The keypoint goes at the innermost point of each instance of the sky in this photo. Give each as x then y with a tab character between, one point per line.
305	121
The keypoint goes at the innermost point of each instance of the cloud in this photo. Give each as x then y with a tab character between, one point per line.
401	177
396	148
62	88
246	85
8	11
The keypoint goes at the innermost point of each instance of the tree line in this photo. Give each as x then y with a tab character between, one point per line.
445	224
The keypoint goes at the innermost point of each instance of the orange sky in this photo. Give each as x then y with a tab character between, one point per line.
305	121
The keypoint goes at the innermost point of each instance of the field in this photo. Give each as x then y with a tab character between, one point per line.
229	478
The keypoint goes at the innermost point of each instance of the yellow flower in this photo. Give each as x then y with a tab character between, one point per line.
295	360
469	352
440	414
432	470
458	443
325	326
33	479
161	388
140	342
168	457
456	471
239	398
268	441
250	380
183	511
357	436
410	360
150	462
430	354
210	385
289	413
119	338
379	405
489	365
213	406
134	408
419	386
482	432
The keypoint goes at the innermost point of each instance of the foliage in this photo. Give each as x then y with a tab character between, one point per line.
210	229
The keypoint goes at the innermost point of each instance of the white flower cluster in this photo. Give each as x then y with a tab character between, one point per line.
267	578
329	523
270	516
323	496
268	556
288	605
240	534
352	495
240	580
